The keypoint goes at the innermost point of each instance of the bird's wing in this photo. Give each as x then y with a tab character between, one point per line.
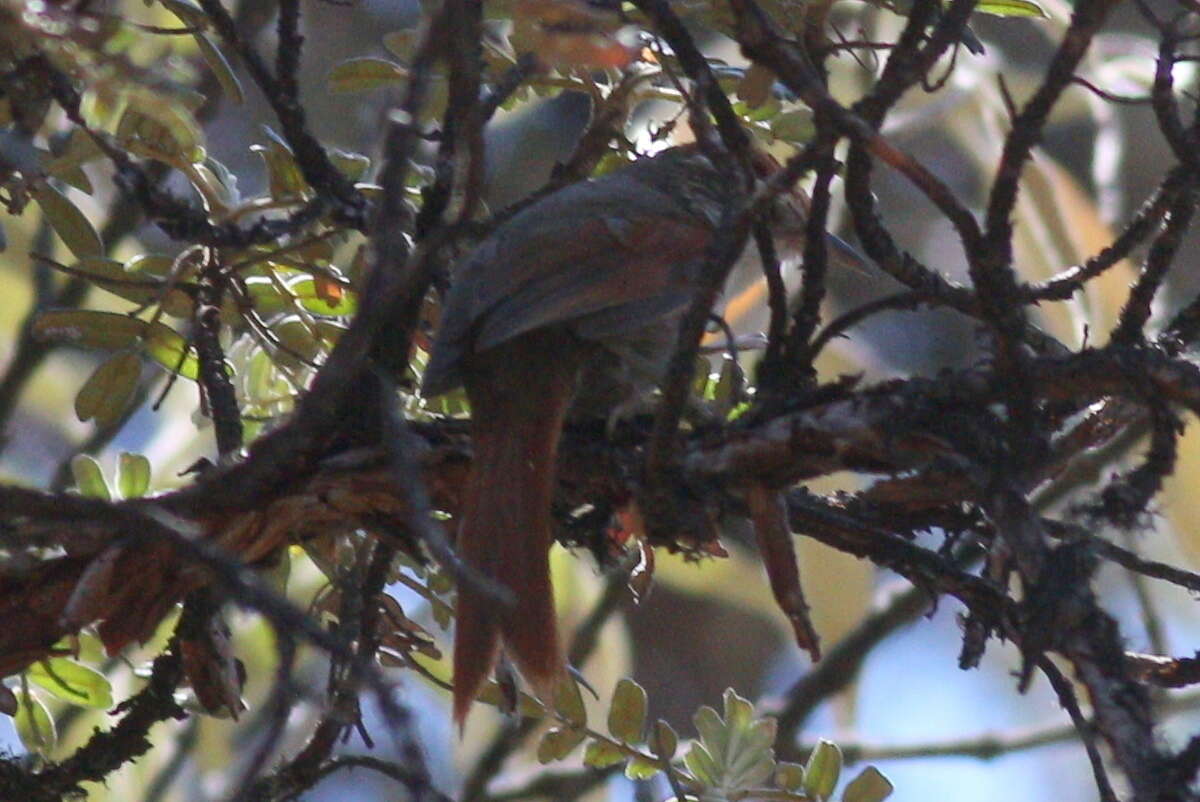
593	248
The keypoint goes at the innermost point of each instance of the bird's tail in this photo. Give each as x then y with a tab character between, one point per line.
518	400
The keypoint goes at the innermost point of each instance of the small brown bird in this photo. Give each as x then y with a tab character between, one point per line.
572	304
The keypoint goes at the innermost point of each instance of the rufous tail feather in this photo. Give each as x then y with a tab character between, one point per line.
505	531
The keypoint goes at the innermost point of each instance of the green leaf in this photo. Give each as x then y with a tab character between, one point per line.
142	280
269	300
221	69
739	712
71	225
160	126
664	740
789	776
89	479
869	786
78	149
602	754
558	742
75	176
151	264
490	694
215	194
765	112
110	331
324	297
133	475
627	714
568	701
712	731
72	682
701	380
441	582
752	766
738	745
170	350
34	725
297	340
401	43
1011	8
726	383
701	764
352	165
823	769
641	769
750	760
224	182
361	74
106	394
794	126
284	179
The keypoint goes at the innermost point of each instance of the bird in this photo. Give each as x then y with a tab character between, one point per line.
571	307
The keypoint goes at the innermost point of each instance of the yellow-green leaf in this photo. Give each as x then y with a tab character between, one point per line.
1011	8
71	225
189	13
72	682
34	725
133	475
558	742
869	786
89	479
602	754
823	769
627	714
106	394
324	297
641	769
360	74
